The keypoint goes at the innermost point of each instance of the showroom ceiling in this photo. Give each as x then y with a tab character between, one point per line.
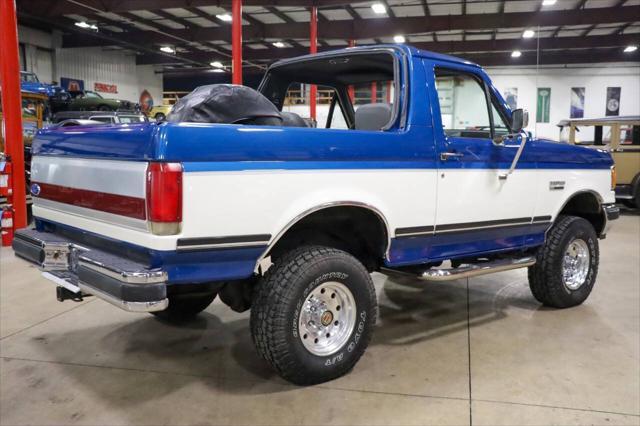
195	33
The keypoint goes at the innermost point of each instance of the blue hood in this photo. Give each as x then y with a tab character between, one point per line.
563	155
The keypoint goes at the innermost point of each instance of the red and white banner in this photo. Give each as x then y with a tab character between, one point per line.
105	88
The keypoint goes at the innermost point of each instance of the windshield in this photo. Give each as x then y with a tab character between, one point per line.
92	95
127	119
28	77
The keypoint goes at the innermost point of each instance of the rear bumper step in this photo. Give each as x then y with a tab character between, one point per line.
469	270
124	283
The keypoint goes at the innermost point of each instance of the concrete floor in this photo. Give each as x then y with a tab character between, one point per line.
482	351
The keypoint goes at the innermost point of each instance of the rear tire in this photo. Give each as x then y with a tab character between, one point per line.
183	307
104	108
313	314
566	265
159	116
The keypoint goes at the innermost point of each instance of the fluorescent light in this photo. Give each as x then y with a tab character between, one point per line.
398	39
379	8
548	2
278	44
86	26
528	34
630	49
167	49
216	64
516	54
218	70
224	17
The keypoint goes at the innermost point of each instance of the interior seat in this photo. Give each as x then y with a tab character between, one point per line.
373	116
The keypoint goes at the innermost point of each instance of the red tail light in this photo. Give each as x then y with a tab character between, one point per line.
164	197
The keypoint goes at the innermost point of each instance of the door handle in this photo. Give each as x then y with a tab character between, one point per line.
448	155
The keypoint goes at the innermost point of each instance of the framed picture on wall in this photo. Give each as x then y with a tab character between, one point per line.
543	105
511	97
613	101
577	102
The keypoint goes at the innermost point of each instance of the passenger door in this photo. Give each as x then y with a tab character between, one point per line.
476	211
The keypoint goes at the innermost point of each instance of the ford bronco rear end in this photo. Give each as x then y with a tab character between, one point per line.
288	220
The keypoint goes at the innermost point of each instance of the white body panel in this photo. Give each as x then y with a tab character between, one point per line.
476	195
265	202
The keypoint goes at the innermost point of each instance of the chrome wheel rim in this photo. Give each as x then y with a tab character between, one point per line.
327	318
575	264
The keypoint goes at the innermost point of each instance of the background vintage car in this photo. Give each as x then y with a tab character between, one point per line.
88	100
107	117
621	136
58	97
159	112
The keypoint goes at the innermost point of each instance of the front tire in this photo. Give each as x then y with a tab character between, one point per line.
184	307
566	265
313	314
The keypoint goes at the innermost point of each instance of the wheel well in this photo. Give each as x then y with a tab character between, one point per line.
587	206
356	230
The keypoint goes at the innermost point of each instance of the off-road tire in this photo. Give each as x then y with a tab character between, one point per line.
277	302
183	307
545	277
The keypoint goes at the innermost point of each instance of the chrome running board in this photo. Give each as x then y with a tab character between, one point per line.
469	270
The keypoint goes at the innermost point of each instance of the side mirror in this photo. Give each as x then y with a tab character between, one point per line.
519	120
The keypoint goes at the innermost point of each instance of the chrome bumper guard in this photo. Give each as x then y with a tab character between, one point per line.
611	212
124	283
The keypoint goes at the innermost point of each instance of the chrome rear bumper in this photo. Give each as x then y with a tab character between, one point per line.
122	282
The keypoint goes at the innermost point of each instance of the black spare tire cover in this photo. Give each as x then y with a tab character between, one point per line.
225	103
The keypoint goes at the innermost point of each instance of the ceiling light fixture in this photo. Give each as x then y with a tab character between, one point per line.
216	64
516	54
548	2
630	49
167	49
84	25
399	39
225	17
278	44
379	8
528	34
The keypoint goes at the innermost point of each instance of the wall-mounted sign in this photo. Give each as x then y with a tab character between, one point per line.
105	88
544	105
577	102
71	84
613	101
511	97
146	101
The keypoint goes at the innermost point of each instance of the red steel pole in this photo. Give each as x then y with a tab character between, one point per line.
352	92
313	48
374	92
12	108
236	41
388	92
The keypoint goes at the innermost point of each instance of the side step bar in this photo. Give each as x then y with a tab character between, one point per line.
469	270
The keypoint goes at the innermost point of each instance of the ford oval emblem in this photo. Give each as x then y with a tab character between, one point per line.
35	189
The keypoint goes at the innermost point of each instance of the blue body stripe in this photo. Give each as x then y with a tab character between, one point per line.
431	248
182	267
238	263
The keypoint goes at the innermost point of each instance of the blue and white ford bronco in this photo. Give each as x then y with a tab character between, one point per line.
288	220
